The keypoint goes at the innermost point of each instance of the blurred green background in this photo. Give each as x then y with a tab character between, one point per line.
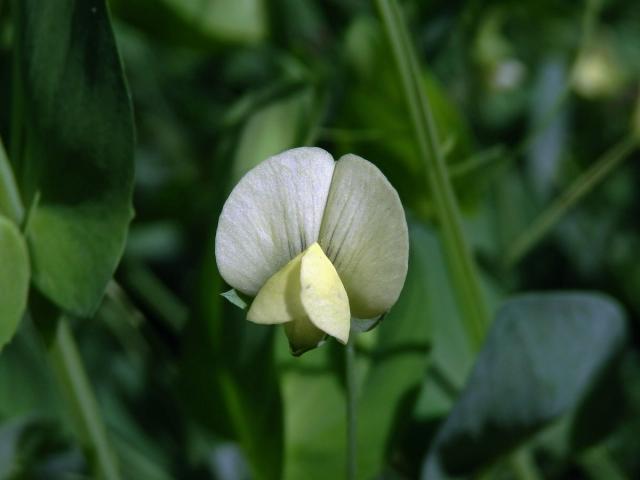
537	108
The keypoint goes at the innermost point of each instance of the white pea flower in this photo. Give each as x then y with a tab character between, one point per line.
316	242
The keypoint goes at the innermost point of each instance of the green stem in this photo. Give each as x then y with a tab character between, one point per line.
580	187
461	264
10	202
352	411
81	401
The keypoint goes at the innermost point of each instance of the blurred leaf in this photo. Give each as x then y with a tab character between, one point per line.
14	279
10	203
589	426
22	394
581	186
227	19
198	23
635	118
238	397
31	447
300	23
80	148
451	349
542	355
274	128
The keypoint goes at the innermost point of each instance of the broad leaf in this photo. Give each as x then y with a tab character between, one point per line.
543	354
80	148
14	279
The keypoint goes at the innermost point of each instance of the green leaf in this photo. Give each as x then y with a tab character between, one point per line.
542	355
198	23
276	127
10	202
225	19
80	148
14	279
31	446
239	300
33	394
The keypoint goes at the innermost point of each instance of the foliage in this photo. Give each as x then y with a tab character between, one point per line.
509	129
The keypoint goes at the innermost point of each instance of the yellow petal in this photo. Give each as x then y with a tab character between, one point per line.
303	335
308	296
278	301
323	296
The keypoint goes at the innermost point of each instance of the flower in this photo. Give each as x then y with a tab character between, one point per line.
317	242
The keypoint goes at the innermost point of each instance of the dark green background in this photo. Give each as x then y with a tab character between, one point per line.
526	96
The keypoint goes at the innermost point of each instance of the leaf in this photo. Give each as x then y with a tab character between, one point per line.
80	148
198	23
22	394
237	299
276	127
543	354
10	203
229	20
33	447
14	279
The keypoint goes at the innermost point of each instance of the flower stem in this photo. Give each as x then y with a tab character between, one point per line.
82	403
461	264
352	409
